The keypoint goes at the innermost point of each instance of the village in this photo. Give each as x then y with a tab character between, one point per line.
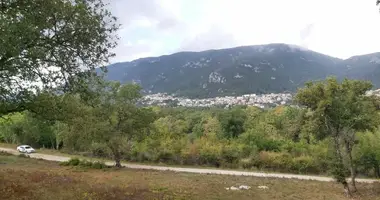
262	100
258	100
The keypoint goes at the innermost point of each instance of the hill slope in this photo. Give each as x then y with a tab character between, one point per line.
235	71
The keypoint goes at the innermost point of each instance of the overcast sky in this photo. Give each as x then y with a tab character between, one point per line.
340	28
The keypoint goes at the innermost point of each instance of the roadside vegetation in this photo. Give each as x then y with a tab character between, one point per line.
83	163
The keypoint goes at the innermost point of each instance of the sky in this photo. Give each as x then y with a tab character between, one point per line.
339	28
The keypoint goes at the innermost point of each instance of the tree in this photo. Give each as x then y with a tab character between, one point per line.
343	109
253	116
118	118
292	123
212	126
367	153
49	44
232	122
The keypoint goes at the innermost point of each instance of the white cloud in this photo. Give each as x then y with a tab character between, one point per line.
340	28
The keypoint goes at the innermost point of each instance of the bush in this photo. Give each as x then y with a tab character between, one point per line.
273	161
190	154
98	165
71	162
247	163
230	155
304	164
74	162
164	155
84	163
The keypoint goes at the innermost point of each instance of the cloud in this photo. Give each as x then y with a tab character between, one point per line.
339	28
305	34
214	38
141	20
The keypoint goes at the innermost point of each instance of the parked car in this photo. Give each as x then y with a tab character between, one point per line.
25	149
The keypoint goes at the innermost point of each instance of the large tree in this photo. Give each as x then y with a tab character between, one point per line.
52	43
118	118
342	109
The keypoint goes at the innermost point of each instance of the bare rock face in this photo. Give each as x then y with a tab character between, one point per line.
215	77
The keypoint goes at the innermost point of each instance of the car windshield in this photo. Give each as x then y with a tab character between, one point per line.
27	147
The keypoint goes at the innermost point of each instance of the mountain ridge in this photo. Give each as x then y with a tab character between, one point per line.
240	70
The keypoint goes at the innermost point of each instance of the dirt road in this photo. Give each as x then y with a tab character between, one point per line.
193	170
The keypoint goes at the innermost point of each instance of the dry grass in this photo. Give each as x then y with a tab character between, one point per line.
23	178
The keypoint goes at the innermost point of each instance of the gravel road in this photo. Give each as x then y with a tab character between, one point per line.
194	170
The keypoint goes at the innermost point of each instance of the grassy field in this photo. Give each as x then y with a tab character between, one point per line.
25	178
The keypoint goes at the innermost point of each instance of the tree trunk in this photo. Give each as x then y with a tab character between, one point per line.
117	158
339	159
352	167
347	189
377	170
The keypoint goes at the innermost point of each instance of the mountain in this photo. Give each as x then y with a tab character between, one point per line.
241	70
364	67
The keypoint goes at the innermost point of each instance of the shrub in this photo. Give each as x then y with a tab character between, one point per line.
164	155
247	163
304	164
71	162
273	160
84	163
190	154
74	162
98	165
230	155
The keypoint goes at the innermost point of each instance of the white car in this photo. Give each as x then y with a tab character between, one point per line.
25	149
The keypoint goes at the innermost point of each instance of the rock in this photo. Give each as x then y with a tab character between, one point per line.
263	187
244	187
234	188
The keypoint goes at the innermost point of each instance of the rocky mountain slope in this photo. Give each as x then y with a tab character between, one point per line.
249	69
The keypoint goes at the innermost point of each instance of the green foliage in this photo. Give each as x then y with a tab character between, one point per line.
285	138
98	165
38	34
73	162
343	109
232	122
367	153
84	163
